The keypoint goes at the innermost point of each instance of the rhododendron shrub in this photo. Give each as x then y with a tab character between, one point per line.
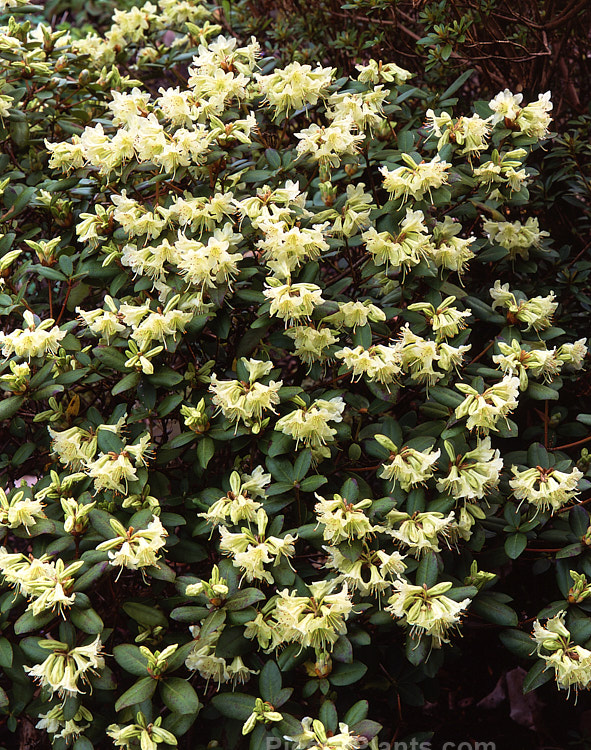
283	386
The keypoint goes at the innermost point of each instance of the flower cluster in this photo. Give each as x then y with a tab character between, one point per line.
474	474
240	503
484	410
343	520
150	734
407	466
514	236
537	312
372	573
19	510
420	532
65	668
545	489
135	549
571	663
316	620
36	340
531	120
45	582
202	658
426	611
315	737
415	179
247	401
309	424
251	551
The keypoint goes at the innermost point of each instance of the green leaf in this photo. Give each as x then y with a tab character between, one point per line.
367	728
232	642
279	444
161	572
445	396
537	676
541	392
169	403
105	680
150	617
23	200
258	738
273	158
270	681
302	465
179	695
179	724
552	609
213	622
244	598
189	614
357	712
126	383
518	642
234	705
362	336
571	550
86	620
22	453
343	650
28	622
580	629
578	519
282	697
494	611
111	357
9	406
347	674
65	263
459	593
205	451
5	653
83	743
91	576
457	84
417	649
140	691
165	377
483	311
129	656
70	707
311	484
537	455
427	570
405	141
178	658
328	716
47	273
515	544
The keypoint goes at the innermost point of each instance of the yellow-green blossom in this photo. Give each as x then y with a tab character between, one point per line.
420	532
428	612
407	466
545	488
135	549
484	410
474	474
342	519
65	668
